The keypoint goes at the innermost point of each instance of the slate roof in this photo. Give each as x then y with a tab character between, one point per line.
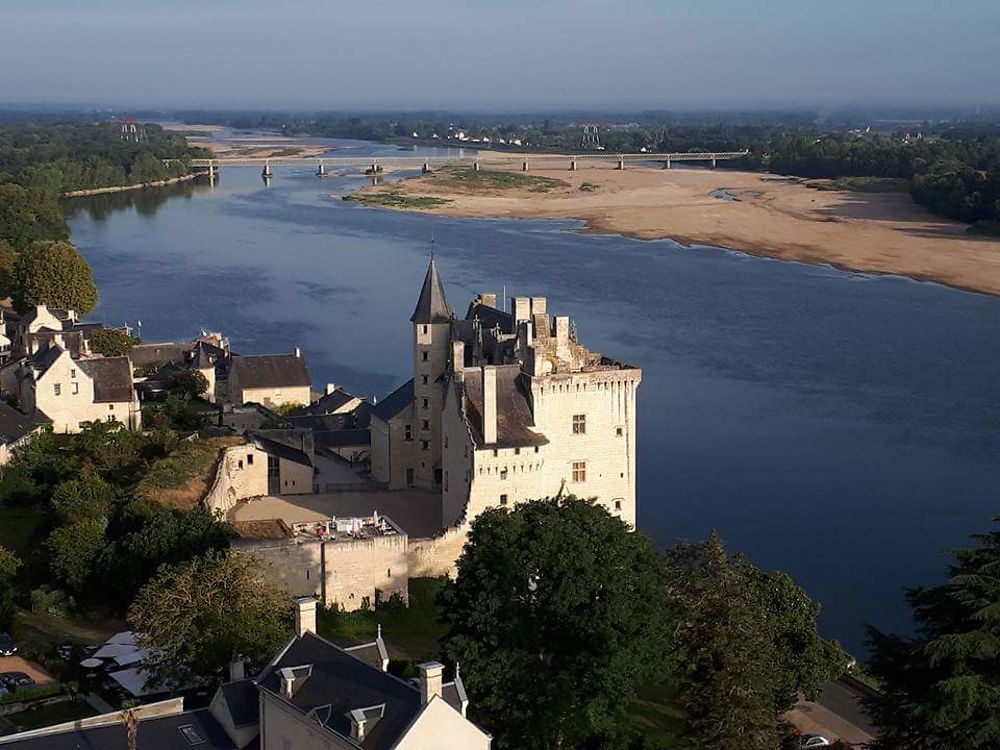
432	306
281	450
14	424
515	423
395	402
490	317
331	402
338	683
112	378
241	698
43	359
342	438
270	371
161	733
144	355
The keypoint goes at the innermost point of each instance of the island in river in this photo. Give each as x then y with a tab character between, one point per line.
869	232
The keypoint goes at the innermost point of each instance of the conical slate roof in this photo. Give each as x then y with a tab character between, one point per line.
432	307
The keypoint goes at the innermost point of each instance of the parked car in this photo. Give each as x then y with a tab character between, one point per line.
7	645
15	680
813	740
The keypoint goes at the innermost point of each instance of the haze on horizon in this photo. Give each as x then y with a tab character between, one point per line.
516	55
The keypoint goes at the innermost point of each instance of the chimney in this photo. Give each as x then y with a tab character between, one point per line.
521	307
562	329
489	299
430	680
237	669
358	721
489	405
330	388
305	615
539	306
457	355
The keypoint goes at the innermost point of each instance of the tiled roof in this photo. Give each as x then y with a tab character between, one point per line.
395	402
432	306
338	683
112	378
270	371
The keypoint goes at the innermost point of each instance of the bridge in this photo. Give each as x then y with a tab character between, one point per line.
377	164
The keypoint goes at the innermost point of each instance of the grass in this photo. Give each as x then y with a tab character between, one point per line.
19	527
656	715
863	184
395	199
48	715
411	633
181	479
469	178
40	633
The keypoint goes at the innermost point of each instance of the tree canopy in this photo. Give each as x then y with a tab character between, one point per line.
557	616
941	688
53	274
112	342
202	614
9	563
744	643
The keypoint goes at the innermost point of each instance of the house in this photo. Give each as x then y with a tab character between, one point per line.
314	695
505	407
156	363
274	380
72	392
16	429
263	466
42	327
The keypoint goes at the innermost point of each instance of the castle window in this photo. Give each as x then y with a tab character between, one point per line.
57	389
425	425
536	449
619	431
618	503
423	356
74	387
72	373
517	451
407	432
423	379
503	473
409	477
425	445
425	329
503	500
249	459
579	471
579	424
495	453
426	403
111	407
239	464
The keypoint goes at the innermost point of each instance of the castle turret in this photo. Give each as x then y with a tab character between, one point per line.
431	343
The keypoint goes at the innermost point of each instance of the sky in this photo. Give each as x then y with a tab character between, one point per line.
499	55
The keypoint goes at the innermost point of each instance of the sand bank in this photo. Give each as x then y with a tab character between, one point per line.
865	232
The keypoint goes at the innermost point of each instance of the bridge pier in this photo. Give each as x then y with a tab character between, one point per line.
713	162
321	170
426	168
524	165
475	165
266	174
572	165
666	164
621	164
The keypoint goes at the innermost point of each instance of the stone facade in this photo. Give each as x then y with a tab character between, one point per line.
346	563
504	408
257	469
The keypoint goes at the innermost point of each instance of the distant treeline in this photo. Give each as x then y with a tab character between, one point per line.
953	167
39	161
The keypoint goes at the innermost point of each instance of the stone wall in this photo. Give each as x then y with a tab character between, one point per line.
237	479
429	558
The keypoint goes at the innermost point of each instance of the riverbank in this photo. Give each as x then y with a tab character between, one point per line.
126	188
756	213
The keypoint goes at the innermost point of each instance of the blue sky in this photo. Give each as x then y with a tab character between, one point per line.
510	55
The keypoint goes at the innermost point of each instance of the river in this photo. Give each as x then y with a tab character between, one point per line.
840	427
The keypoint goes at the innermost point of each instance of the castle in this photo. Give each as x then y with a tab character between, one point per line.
506	407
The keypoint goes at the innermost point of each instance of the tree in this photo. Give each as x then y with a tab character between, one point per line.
9	563
202	614
82	499
76	548
745	642
112	342
7	259
188	383
557	616
55	274
941	688
29	215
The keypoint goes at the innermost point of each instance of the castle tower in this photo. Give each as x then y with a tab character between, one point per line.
431	340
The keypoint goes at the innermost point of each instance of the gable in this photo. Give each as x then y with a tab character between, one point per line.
438	726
